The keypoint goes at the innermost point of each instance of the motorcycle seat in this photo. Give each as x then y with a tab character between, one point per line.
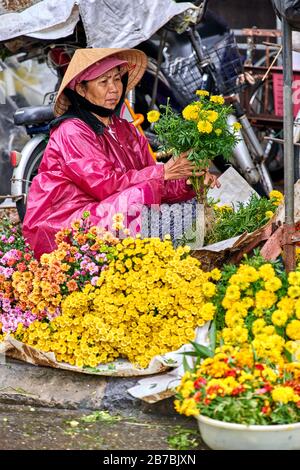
33	115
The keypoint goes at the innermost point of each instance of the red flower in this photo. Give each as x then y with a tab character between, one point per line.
231	373
265	410
197	396
199	382
11	262
21	267
238	390
259	366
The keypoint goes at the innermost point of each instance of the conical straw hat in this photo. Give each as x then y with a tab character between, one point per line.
84	58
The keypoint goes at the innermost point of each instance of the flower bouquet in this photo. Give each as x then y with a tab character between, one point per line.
202	128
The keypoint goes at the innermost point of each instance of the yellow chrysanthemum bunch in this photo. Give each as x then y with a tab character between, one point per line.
202	129
148	302
262	307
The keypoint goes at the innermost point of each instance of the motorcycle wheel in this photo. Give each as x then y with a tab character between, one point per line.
30	172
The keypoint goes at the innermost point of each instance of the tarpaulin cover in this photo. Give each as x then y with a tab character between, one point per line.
107	23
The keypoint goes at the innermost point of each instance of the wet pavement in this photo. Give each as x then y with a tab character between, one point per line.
26	427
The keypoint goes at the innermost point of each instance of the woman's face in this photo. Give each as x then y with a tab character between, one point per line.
105	90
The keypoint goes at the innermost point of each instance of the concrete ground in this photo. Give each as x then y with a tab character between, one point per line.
44	408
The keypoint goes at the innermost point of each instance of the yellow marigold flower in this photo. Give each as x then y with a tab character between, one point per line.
276	195
217	99
233	292
205	127
212	116
209	289
273	285
279	318
287	305
187	407
294	292
265	299
191	112
293	330
269	214
284	394
215	274
294	278
202	93
153	116
266	272
236	126
218	131
207	312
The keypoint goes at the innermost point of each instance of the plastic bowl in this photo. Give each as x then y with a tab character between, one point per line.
219	435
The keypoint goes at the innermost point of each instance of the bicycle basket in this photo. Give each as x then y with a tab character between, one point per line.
226	65
185	76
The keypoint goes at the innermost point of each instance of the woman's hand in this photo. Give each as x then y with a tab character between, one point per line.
211	180
181	167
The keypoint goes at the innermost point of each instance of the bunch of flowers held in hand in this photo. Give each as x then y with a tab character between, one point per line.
234	387
147	302
202	128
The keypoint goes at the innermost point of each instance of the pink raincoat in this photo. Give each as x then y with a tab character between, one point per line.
103	174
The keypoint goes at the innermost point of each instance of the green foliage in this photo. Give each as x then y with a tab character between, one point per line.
11	236
183	439
247	218
103	416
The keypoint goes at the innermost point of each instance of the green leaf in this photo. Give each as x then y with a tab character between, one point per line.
212	335
202	351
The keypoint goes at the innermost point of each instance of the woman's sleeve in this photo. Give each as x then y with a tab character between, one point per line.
177	191
89	167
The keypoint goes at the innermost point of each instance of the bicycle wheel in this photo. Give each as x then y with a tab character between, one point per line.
30	172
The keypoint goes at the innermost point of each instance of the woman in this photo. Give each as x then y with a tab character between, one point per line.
95	161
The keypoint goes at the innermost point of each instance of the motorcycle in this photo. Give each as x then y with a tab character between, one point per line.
183	56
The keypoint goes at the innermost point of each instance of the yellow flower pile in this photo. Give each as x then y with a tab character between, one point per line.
148	302
261	311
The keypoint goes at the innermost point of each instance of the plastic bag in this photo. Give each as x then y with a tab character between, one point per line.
290	10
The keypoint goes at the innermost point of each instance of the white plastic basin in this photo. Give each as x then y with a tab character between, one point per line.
219	435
